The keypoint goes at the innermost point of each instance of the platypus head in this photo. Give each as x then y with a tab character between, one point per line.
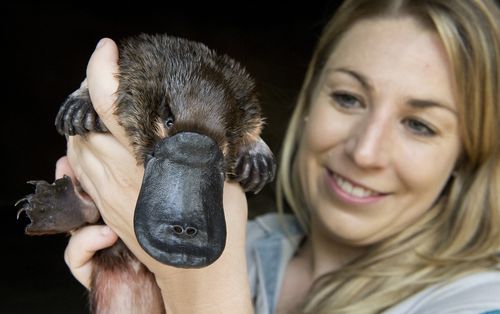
179	217
181	105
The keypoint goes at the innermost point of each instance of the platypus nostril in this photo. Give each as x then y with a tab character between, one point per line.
191	231
178	229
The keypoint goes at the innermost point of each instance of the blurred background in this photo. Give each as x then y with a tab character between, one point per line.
45	48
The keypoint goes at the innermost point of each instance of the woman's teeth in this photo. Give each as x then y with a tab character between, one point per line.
349	188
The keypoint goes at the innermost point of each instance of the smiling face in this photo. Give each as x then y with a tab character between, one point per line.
382	136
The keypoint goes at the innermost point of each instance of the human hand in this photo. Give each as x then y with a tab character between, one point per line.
107	170
82	246
85	241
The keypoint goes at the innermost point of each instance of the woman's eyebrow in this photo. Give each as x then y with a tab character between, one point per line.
363	80
427	103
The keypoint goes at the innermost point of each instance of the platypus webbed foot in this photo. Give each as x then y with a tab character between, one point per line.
77	116
255	167
56	208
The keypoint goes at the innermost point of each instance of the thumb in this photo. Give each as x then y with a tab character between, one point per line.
102	83
82	246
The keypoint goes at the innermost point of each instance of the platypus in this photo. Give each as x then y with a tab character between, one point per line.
193	120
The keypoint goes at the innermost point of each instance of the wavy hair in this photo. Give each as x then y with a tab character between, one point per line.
460	234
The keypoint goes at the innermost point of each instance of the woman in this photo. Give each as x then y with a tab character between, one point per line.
391	165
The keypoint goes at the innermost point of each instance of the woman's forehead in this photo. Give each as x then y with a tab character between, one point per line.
395	52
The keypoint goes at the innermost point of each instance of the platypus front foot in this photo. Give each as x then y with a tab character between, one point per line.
255	166
77	115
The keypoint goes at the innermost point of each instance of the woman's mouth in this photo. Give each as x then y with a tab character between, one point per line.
350	192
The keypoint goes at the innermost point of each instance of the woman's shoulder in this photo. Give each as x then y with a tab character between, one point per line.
273	224
475	293
272	239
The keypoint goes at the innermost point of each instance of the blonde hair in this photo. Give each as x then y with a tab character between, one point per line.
460	234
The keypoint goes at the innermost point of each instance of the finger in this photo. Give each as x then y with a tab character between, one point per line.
235	212
234	196
102	173
100	155
63	168
103	85
82	246
81	158
107	147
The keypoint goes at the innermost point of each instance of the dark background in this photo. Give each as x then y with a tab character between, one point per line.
45	48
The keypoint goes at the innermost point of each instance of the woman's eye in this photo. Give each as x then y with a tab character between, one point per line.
346	100
419	127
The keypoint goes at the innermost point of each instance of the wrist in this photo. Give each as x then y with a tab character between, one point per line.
212	289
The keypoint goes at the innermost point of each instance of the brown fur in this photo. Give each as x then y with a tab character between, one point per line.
121	284
204	91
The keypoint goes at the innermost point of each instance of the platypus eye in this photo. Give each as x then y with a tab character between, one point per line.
169	122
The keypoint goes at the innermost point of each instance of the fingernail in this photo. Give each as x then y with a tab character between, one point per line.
106	231
101	43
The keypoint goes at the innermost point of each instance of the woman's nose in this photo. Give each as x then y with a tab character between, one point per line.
369	142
